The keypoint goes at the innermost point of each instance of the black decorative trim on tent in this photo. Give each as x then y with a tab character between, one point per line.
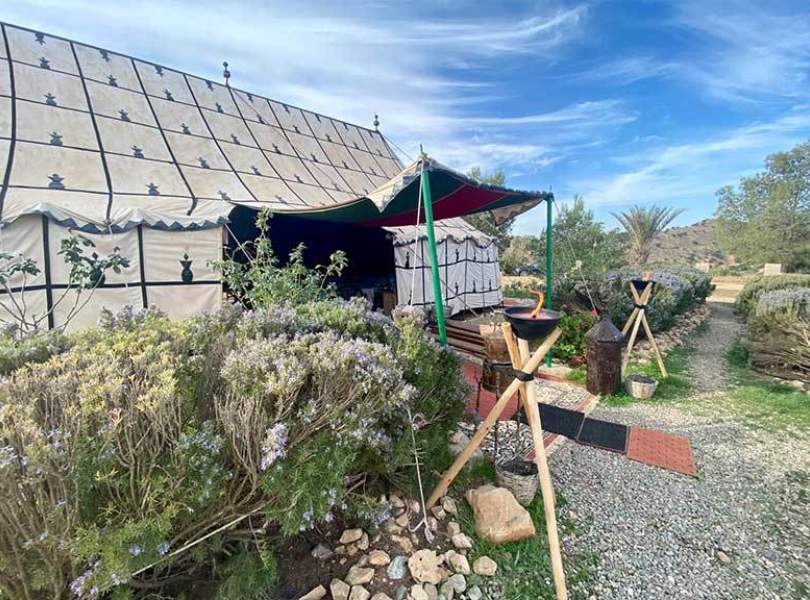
263	150
100	143
48	287
110	286
165	139
159	225
142	267
13	142
216	141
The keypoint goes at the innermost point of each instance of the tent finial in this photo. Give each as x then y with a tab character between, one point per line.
376	122
226	73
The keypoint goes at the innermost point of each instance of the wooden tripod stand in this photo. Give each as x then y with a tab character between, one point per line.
522	361
639	318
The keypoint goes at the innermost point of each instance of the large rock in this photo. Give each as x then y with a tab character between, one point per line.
485	566
314	594
378	558
418	593
359	593
458	562
350	536
339	589
397	568
425	567
498	516
359	575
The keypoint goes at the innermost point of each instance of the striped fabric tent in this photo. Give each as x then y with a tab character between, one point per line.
150	162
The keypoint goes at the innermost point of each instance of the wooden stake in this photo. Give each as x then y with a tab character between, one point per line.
546	487
638	318
529	368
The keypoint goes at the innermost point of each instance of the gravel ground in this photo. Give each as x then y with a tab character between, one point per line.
742	530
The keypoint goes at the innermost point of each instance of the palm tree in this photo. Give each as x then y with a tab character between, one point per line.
642	224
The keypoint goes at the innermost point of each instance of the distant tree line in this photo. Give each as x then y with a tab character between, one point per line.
767	217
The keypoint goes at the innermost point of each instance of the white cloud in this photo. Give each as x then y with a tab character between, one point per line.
746	50
684	173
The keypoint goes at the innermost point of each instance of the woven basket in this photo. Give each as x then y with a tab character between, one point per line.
519	477
640	386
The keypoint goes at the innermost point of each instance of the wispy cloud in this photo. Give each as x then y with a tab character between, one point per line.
747	50
684	173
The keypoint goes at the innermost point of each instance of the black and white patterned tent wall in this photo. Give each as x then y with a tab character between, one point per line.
151	160
468	267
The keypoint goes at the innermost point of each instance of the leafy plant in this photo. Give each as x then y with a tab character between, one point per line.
642	224
767	219
255	277
573	325
149	450
85	274
749	296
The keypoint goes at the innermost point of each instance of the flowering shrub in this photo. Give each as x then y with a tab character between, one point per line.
157	446
749	296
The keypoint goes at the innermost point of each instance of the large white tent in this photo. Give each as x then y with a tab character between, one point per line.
151	161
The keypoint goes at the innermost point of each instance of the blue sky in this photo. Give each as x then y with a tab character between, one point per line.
622	102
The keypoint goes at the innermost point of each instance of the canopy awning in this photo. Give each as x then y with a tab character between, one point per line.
396	203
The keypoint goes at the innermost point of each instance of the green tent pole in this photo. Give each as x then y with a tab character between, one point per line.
549	261
434	261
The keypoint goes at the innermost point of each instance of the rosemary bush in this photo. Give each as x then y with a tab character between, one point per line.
141	454
678	289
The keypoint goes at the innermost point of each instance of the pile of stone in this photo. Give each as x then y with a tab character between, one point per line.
675	336
428	572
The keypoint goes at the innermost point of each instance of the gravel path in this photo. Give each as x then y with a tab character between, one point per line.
742	530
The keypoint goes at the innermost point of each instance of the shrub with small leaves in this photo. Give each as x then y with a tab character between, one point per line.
160	447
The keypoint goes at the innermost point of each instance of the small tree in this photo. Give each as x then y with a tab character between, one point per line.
642	224
767	219
85	274
484	221
578	236
260	279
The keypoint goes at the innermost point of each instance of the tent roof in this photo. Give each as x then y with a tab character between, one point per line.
102	141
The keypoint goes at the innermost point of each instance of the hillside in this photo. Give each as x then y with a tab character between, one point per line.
689	245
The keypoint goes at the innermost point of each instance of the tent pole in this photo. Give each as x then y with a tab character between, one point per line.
549	260
434	261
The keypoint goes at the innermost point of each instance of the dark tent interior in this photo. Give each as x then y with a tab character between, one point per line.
369	250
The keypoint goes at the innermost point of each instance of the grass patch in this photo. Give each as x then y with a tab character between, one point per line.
763	402
524	567
674	388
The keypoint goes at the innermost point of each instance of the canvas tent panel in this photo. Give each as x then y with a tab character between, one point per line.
468	267
164	251
24	238
125	244
184	301
129	139
118	103
37	123
30	49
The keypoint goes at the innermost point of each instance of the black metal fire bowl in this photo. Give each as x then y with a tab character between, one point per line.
528	328
641	284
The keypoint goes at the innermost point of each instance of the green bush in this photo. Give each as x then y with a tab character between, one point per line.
158	445
749	296
574	326
34	348
678	289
